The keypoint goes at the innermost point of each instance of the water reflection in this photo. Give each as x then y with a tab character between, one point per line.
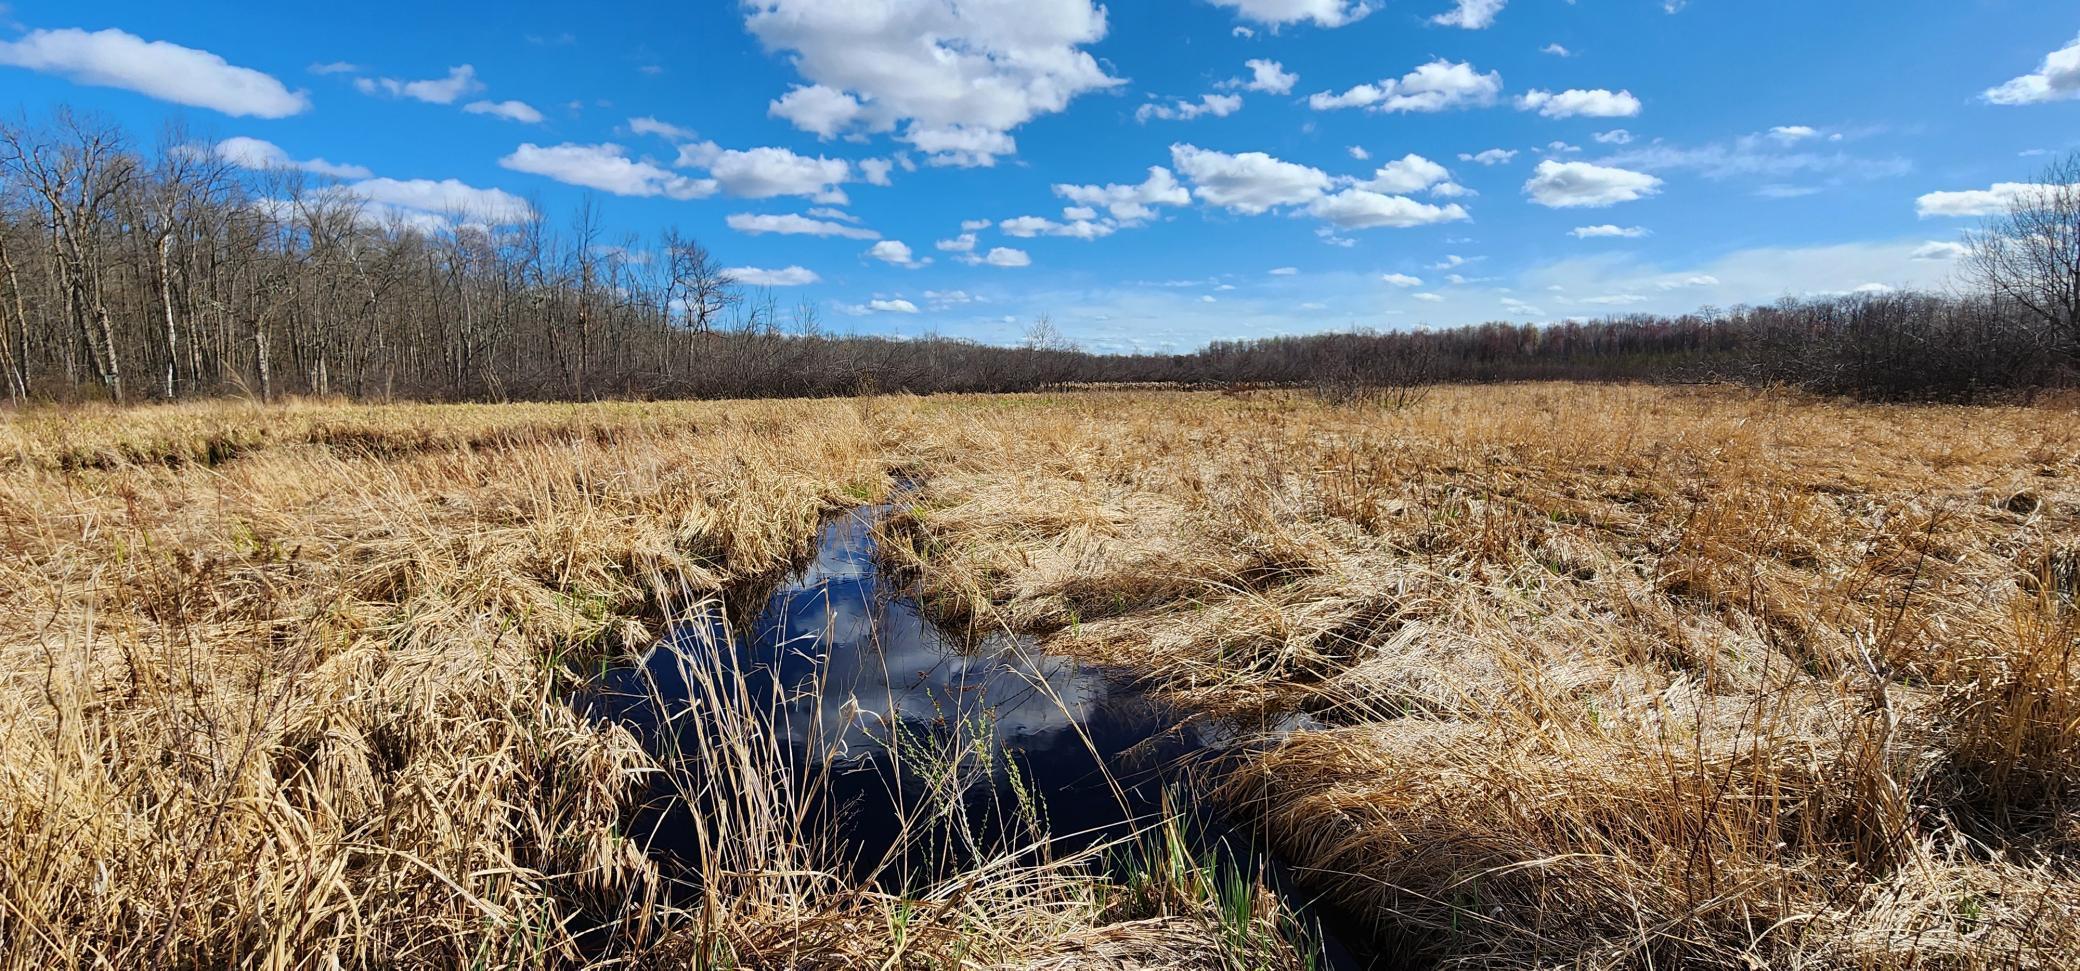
857	678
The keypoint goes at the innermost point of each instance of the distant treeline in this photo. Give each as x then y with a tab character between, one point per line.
134	277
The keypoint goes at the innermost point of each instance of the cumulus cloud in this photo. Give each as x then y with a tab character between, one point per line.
791	224
253	153
1471	14
2057	79
1557	50
1789	134
1269	77
1572	185
1437	86
956	77
1412	173
1575	102
1130	203
157	69
519	111
1006	257
1248	183
793	276
1616	136
895	254
1938	251
964	243
1085	228
1322	13
892	306
1365	209
607	168
1493	156
461	80
1217	105
663	129
875	171
763	173
1401	280
445	197
1991	201
1608	231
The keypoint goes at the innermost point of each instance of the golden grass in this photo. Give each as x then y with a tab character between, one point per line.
283	687
1602	676
1609	676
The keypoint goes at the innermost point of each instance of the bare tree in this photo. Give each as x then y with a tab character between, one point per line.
2031	254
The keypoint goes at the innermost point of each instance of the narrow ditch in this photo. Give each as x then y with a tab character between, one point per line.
889	720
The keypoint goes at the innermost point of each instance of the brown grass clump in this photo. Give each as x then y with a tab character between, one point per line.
284	687
1607	676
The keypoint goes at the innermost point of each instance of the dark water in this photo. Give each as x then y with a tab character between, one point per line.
889	715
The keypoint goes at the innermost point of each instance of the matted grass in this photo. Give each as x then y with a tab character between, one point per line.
1607	676
284	687
1600	676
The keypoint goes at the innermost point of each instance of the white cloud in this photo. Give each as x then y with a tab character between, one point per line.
957	76
2057	79
763	173
1470	14
663	129
1437	86
1286	271
1429	297
1755	155
793	276
892	306
964	243
1323	13
1934	251
1027	227
1413	173
1128	203
974	225
1978	202
252	153
1569	185
1557	50
1004	256
606	168
1217	105
519	111
1575	102
875	171
818	110
1616	136
461	80
445	197
334	67
1789	134
1401	280
1269	77
1493	156
1358	152
168	72
1249	183
792	224
1608	231
1364	209
895	253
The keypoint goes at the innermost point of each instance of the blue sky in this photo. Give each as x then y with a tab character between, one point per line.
1151	174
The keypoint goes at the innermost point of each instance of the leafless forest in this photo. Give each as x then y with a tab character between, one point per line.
139	270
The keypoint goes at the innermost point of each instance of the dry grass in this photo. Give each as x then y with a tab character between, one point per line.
1604	677
1608	676
283	687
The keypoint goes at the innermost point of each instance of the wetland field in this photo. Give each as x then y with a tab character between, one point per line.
1520	676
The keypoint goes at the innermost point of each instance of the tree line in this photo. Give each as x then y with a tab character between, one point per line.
135	276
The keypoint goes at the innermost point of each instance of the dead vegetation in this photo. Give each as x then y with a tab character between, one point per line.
284	687
1599	676
1608	676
